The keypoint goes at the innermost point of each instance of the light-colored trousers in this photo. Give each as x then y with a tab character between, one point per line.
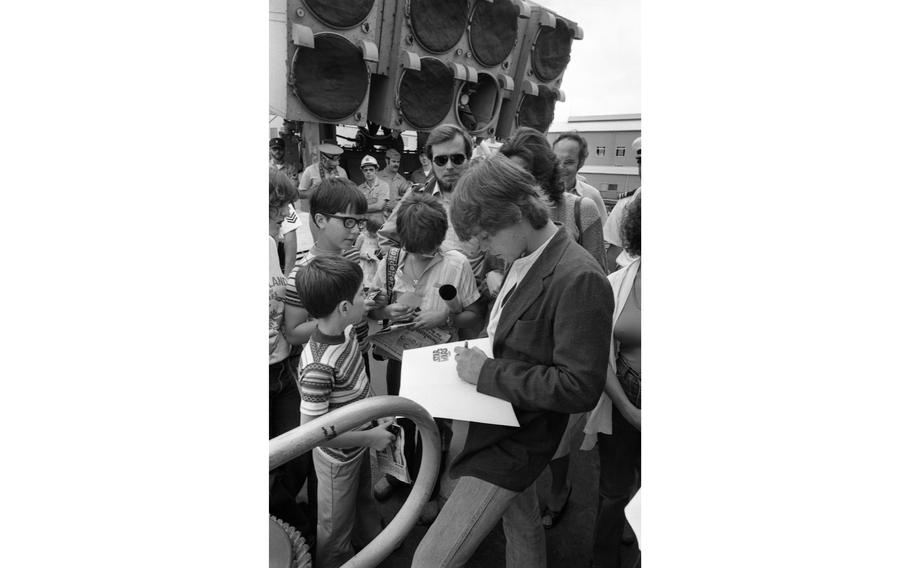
345	510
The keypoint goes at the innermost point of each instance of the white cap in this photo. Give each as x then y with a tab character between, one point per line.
369	160
636	145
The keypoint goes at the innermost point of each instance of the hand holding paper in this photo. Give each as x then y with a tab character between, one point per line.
430	377
468	362
428	319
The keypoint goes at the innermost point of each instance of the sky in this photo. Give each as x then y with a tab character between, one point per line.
604	73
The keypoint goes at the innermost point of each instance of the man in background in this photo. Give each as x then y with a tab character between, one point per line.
327	166
276	159
374	189
571	150
389	174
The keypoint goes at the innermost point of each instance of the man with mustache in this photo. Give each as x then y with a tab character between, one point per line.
389	174
449	149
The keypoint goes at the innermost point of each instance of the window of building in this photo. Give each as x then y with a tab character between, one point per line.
601	151
620	151
612	187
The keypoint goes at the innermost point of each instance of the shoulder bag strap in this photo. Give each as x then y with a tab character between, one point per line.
391	266
578	215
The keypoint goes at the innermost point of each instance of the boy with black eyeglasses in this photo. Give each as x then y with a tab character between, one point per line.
338	210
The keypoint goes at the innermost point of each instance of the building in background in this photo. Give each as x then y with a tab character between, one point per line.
611	165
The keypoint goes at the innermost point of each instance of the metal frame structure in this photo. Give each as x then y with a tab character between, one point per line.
295	442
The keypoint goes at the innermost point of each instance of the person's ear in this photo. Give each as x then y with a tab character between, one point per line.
344	307
316	219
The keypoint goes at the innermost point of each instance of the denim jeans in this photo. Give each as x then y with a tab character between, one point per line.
468	517
620	461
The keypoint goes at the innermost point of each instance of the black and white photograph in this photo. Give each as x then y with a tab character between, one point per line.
480	185
455	322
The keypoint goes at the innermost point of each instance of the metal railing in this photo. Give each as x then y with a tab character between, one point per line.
295	442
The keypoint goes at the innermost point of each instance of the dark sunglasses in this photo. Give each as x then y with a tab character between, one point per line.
349	222
457	159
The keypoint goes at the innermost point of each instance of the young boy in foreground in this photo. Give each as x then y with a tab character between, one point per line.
331	374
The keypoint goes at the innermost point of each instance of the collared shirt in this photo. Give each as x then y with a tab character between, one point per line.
397	184
310	176
449	267
514	277
376	193
287	169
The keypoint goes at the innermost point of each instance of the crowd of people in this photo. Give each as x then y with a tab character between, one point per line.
537	264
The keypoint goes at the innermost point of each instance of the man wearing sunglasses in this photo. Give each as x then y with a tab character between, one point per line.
449	149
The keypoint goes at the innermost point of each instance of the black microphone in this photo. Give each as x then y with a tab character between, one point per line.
449	295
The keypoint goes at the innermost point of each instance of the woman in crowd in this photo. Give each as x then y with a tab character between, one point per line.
529	149
579	215
617	419
284	399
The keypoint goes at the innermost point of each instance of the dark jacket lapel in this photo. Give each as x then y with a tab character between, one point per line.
531	286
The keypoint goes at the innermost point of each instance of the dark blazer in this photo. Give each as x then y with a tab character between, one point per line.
550	357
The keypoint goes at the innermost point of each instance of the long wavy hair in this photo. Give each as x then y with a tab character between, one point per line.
532	146
631	227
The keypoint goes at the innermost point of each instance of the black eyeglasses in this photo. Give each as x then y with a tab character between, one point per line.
349	222
457	159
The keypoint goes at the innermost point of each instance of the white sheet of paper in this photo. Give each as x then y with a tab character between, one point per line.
435	386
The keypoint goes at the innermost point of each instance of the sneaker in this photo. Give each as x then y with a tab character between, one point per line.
382	490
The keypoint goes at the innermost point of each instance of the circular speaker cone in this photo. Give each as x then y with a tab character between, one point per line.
346	14
482	103
425	96
438	24
494	27
551	51
537	112
332	79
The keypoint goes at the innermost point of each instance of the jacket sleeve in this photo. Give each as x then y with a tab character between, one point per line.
579	324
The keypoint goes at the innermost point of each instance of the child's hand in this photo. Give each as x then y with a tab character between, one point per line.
369	299
399	312
430	319
379	438
380	300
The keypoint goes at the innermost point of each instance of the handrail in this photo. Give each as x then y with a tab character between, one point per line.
295	442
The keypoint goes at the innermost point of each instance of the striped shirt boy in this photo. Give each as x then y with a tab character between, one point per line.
331	374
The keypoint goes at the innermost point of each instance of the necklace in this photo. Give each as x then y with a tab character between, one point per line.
416	273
